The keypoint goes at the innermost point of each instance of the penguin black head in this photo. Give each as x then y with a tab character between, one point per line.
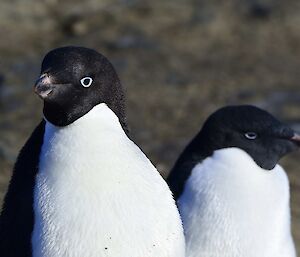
246	127
75	79
251	129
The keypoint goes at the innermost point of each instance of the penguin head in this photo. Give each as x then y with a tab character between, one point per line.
75	79
251	129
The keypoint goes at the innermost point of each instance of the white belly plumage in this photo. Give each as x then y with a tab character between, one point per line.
231	207
97	194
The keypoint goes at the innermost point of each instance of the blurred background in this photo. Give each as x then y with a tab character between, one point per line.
178	61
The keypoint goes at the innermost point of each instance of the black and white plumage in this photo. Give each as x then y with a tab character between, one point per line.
232	195
80	186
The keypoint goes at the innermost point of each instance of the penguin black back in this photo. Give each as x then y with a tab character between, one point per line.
16	220
247	127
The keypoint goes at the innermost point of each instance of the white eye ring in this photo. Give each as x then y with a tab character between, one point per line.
86	81
251	135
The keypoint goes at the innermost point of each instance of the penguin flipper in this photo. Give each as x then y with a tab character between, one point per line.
16	219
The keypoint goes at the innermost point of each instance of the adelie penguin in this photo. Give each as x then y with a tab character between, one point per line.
232	195
80	186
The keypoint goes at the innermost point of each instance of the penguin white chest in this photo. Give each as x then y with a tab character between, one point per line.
231	207
97	194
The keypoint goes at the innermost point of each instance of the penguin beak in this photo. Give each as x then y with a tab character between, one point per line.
296	139
43	86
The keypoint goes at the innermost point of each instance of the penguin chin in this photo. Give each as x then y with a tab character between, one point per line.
268	168
61	115
56	117
56	123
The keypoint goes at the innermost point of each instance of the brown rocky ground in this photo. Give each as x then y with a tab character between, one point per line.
178	60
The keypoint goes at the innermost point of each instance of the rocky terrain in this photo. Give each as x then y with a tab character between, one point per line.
178	60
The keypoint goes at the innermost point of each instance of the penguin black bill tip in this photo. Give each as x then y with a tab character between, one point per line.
43	86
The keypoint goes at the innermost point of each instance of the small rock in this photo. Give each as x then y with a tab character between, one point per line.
260	11
1	80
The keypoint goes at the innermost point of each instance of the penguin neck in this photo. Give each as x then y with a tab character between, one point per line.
100	117
61	116
193	154
236	167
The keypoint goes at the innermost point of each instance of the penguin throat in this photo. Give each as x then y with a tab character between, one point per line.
62	116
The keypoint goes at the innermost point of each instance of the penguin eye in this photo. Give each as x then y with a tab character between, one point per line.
86	81
251	135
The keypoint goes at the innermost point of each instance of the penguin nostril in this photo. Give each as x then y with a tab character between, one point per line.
43	80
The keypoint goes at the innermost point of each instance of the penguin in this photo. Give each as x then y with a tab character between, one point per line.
232	194
80	186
